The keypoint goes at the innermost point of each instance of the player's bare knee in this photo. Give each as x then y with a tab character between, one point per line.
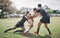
31	25
39	23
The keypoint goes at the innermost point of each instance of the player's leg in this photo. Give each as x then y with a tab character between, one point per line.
45	24
38	28
23	28
30	21
29	27
16	26
9	29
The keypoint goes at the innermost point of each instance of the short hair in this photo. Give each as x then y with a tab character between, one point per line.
35	9
39	5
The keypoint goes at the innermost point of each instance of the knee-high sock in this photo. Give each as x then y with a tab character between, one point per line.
27	29
48	30
38	30
7	30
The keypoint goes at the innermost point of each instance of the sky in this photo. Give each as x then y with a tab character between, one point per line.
53	4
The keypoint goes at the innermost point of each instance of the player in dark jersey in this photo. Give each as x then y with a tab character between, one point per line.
19	24
45	19
29	17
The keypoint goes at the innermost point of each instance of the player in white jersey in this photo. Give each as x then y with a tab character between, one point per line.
30	17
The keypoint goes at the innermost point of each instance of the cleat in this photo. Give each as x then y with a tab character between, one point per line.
36	33
25	34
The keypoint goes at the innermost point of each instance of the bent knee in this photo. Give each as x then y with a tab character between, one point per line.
39	23
31	25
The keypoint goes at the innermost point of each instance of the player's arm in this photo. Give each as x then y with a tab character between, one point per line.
39	12
36	14
31	15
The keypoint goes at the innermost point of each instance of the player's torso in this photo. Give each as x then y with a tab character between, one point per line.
32	14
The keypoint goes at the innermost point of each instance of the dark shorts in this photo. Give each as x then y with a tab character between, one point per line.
21	23
45	19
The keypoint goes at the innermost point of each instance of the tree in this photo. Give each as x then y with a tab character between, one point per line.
56	11
13	9
50	11
46	7
4	6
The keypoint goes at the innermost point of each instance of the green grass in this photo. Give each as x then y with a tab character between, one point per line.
10	22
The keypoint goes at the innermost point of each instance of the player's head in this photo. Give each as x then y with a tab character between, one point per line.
35	9
39	5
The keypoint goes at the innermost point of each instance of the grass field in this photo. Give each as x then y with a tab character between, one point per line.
10	22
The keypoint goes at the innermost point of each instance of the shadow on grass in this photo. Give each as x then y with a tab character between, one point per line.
30	35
